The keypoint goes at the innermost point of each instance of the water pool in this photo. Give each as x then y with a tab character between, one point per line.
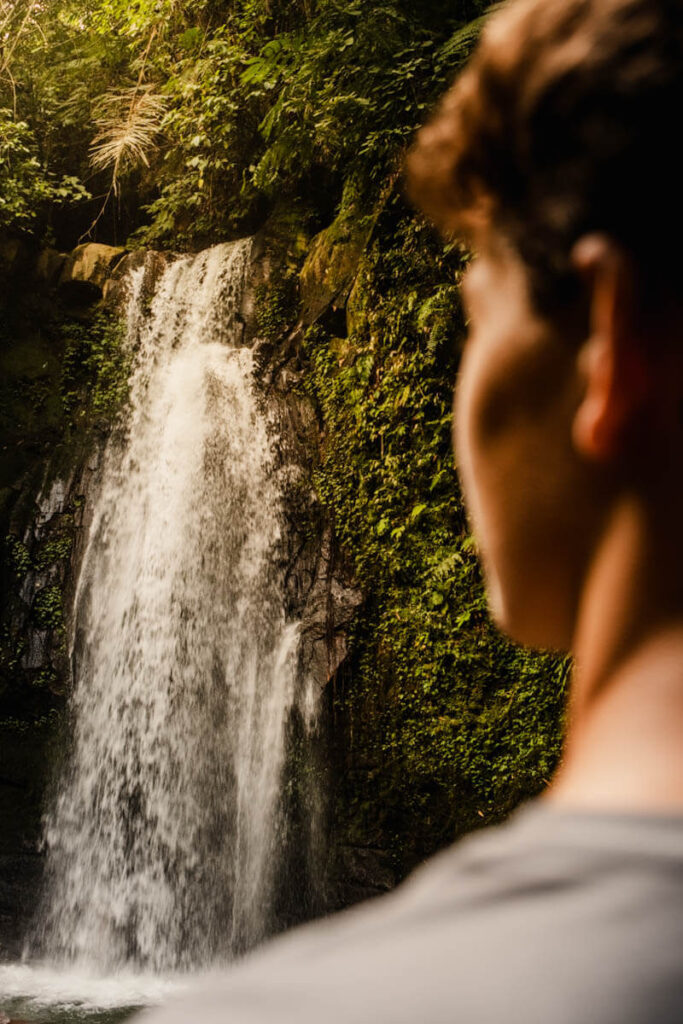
42	994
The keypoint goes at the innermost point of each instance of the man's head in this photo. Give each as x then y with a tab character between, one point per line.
555	153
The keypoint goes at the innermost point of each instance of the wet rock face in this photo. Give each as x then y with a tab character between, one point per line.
44	535
321	590
23	762
45	529
329	271
114	290
46	462
331	603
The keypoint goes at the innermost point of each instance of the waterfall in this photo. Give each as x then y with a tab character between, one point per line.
166	833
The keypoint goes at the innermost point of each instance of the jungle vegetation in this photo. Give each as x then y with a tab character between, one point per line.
179	123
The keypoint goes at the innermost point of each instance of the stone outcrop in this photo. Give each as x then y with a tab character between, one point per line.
114	291
321	590
89	274
87	269
331	603
81	276
331	265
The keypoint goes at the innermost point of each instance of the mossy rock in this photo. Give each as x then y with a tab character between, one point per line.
330	268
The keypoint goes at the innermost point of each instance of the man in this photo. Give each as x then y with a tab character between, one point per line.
555	155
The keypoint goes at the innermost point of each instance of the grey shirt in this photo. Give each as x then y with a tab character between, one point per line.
553	917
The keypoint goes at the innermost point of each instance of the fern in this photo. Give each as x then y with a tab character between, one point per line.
455	51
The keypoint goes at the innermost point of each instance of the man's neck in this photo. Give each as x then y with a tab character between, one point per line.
624	746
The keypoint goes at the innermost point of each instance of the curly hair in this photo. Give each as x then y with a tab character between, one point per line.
565	122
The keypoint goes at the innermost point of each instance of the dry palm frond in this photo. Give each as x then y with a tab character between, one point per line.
128	123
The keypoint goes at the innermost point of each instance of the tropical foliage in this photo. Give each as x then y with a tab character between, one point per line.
179	123
205	111
27	189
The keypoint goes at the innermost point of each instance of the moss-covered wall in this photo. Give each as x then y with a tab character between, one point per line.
439	724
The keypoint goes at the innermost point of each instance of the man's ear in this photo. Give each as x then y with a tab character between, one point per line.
611	360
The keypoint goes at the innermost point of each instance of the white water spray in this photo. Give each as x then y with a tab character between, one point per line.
164	840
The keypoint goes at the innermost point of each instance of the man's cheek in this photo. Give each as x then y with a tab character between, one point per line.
490	422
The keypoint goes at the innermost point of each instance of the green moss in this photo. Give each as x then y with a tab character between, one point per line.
46	679
48	610
276	306
21	726
448	725
56	549
17	558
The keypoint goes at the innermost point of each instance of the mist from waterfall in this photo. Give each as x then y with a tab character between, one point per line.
167	830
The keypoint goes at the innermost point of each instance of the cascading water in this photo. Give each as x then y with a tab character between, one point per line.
164	839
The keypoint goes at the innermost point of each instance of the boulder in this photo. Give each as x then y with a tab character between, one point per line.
87	269
332	263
